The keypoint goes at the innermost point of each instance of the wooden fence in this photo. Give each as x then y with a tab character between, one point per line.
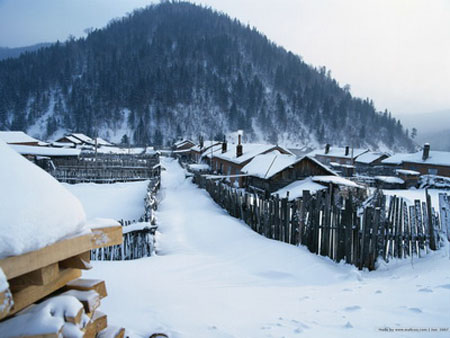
105	168
334	224
138	241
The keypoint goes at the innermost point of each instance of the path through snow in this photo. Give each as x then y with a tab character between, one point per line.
214	277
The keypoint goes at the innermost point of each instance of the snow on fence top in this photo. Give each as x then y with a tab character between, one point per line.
35	209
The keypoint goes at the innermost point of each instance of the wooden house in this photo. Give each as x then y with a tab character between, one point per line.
272	171
330	155
426	162
19	137
199	153
183	145
230	162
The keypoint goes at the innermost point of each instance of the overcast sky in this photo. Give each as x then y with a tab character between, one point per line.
396	52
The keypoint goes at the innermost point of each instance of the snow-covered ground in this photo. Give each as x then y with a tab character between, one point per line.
117	200
214	277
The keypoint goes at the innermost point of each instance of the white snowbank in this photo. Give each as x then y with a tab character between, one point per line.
117	201
35	209
214	277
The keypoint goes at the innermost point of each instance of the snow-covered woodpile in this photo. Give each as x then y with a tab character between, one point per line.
45	243
43	294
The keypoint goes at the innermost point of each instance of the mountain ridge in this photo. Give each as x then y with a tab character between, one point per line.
178	69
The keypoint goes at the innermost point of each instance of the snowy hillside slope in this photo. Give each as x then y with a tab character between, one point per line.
214	277
179	70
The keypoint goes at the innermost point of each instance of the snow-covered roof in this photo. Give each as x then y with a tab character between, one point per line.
182	142
45	151
296	188
339	152
390	179
269	164
217	148
249	150
83	138
102	142
62	144
370	157
17	137
35	209
72	139
337	180
206	145
407	172
435	158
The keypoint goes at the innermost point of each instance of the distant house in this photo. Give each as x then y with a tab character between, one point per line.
19	137
201	152
272	171
43	156
330	155
231	161
426	162
183	145
370	158
76	139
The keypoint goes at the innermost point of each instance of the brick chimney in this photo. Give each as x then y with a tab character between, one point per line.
224	145
347	150
327	148
426	151
239	149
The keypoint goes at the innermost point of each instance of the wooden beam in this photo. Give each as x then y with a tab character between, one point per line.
100	321
90	299
37	277
108	236
75	319
15	266
34	293
19	265
88	284
81	261
6	302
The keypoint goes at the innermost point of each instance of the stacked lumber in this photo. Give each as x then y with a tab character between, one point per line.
45	296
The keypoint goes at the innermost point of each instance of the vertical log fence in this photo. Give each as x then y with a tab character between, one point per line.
336	225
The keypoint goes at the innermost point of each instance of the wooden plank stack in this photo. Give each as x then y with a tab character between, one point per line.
49	278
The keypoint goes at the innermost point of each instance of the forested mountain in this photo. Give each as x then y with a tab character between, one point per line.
6	52
178	69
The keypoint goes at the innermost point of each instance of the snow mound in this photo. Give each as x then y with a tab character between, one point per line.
35	209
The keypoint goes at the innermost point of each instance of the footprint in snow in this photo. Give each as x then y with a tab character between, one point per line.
415	309
298	330
352	308
348	325
378	291
445	286
347	290
425	290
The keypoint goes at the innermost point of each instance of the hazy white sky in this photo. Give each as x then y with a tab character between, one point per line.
396	52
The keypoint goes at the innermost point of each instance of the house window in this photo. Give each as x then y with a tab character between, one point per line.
432	171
